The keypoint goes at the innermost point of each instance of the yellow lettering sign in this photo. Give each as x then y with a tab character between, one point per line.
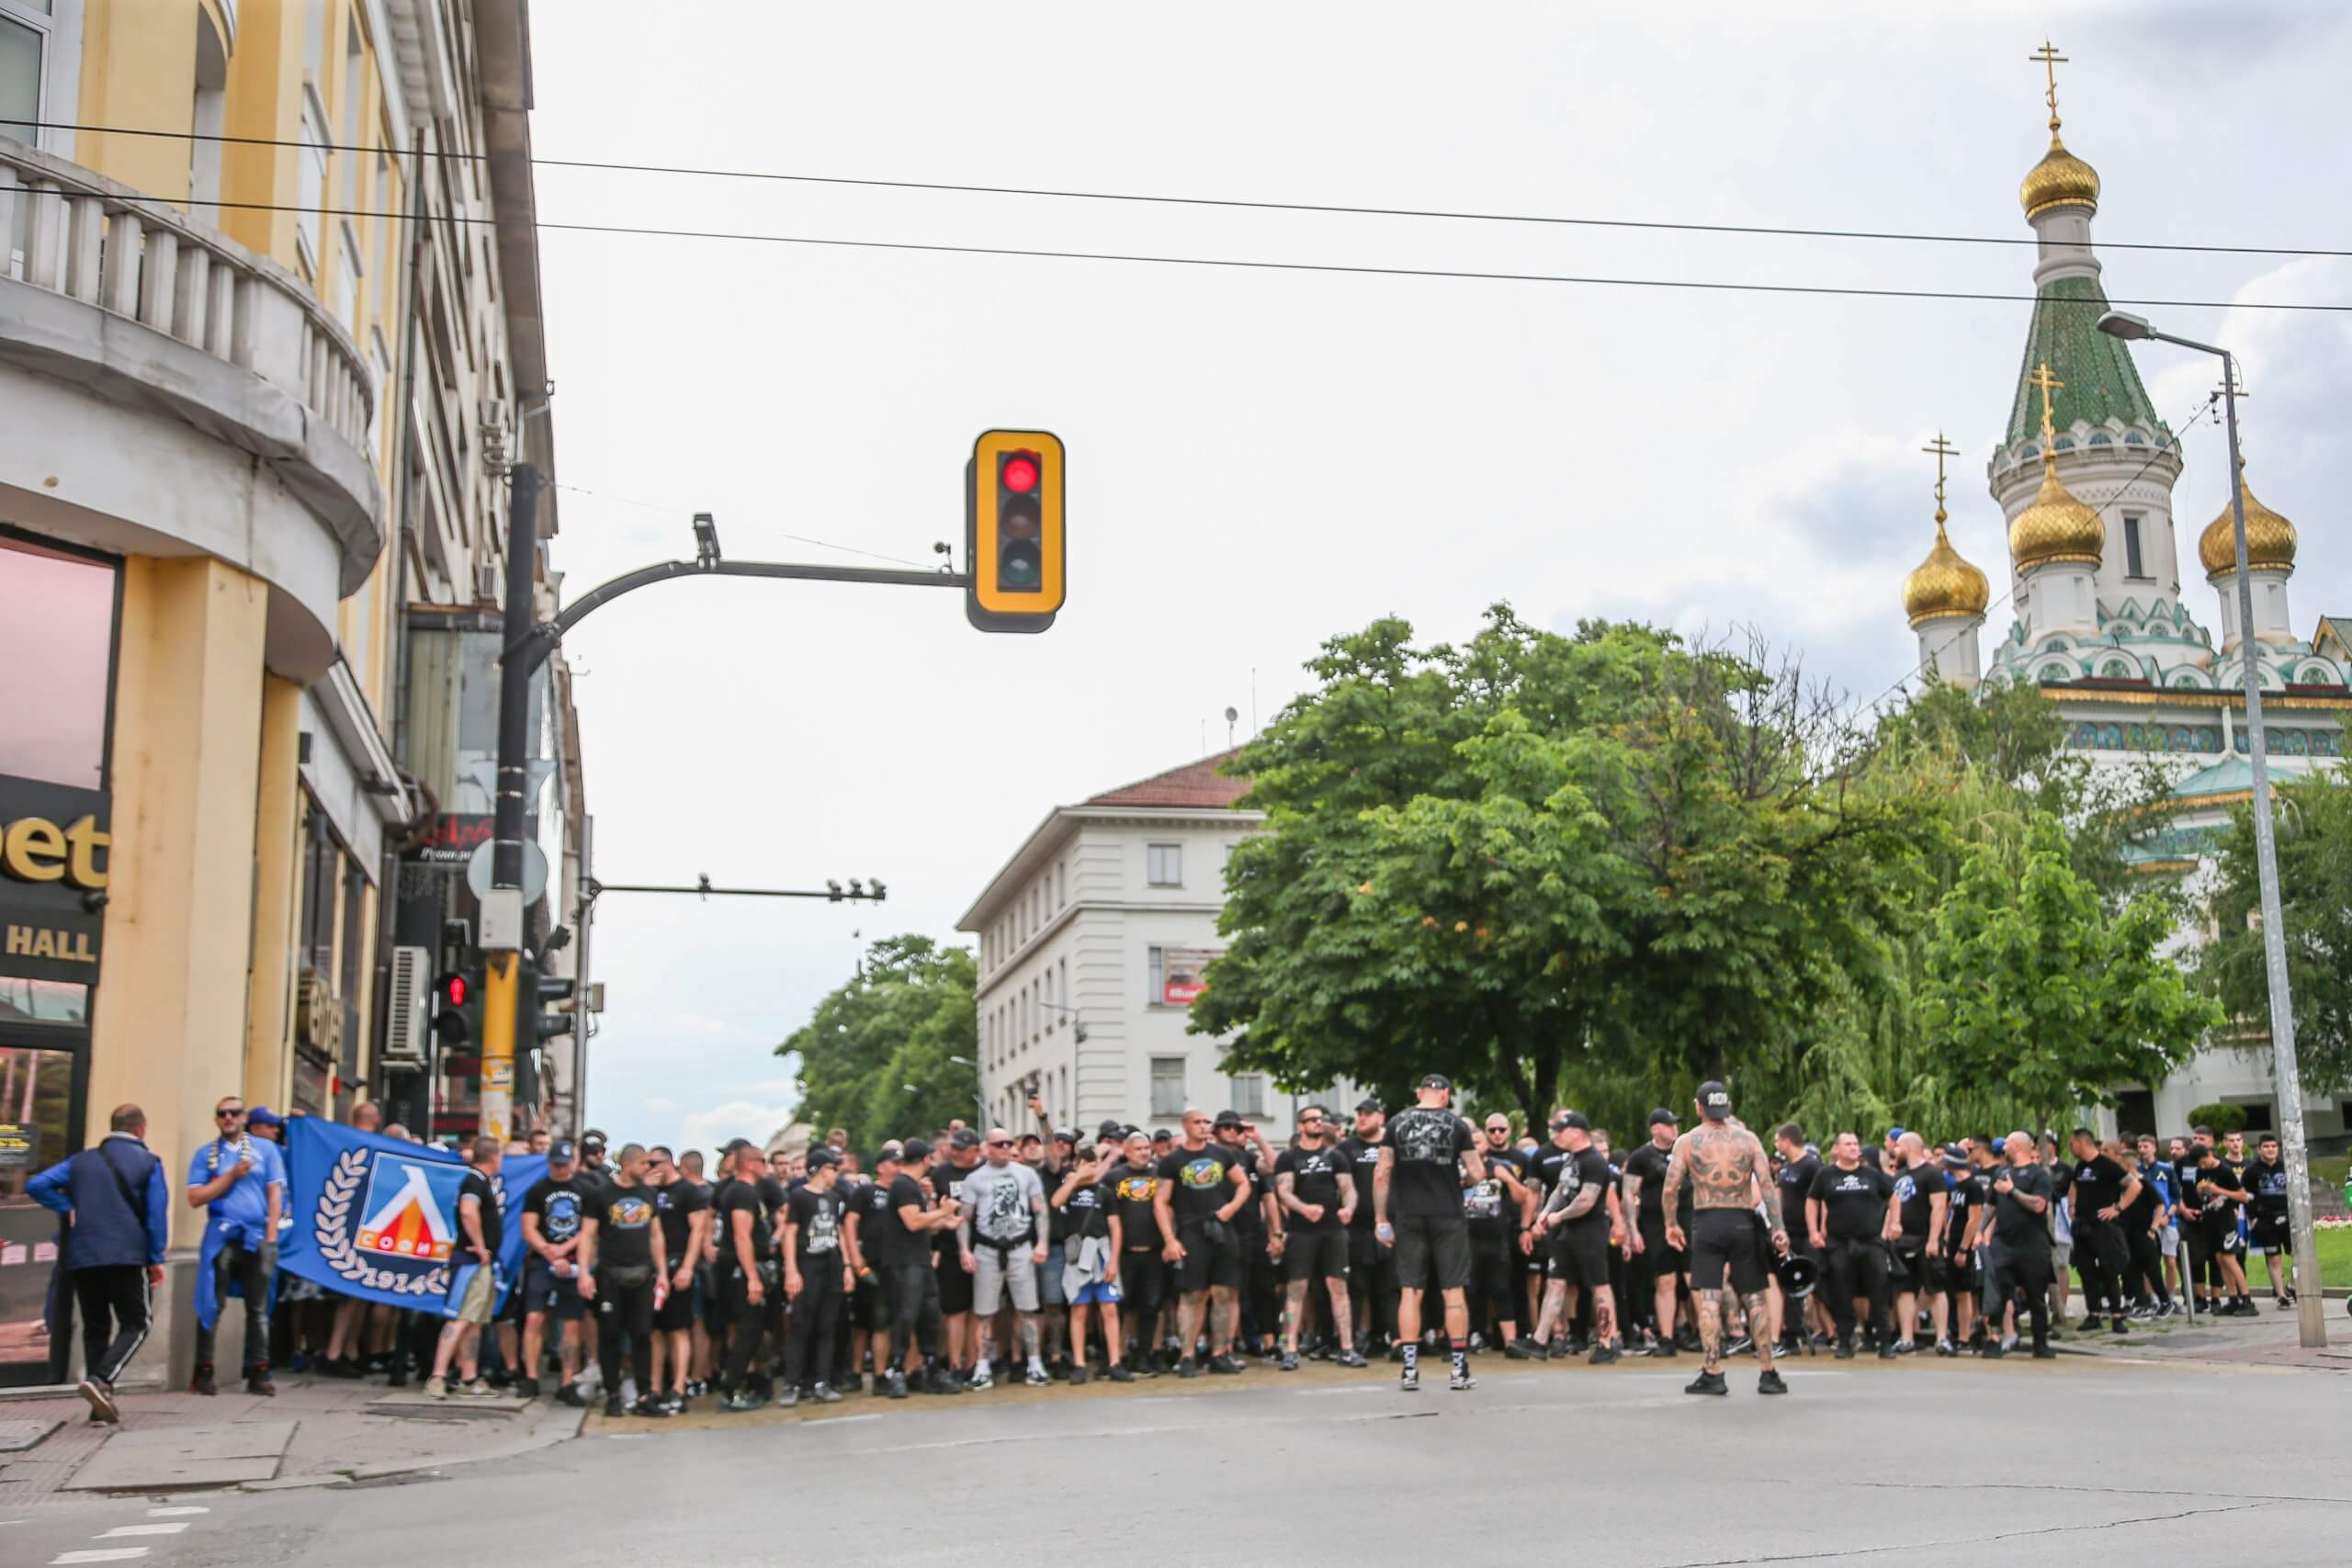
40	941
34	849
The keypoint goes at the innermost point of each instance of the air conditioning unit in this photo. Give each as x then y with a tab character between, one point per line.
495	428
318	1013
486	585
404	1019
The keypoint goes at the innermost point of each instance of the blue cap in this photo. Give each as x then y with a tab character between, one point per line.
263	1116
563	1151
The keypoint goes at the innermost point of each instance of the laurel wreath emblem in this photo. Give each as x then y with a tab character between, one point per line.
331	1229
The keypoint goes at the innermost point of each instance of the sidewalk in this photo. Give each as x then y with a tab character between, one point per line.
2266	1341
317	1431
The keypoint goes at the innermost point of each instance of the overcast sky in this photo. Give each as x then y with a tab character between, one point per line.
1261	460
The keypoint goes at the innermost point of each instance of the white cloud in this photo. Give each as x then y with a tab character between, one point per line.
660	1103
714	1128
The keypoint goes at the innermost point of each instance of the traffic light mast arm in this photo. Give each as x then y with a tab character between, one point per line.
856	892
542	639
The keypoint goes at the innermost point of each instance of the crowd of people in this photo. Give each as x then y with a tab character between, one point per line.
950	1263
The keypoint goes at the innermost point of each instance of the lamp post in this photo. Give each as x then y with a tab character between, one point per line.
980	1096
2308	1303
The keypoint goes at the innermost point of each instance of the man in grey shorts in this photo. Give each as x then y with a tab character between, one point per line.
1002	1236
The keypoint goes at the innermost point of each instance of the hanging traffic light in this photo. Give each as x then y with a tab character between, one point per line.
454	992
545	989
1013	530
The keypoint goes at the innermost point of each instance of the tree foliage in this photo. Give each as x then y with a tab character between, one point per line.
907	1011
2313	817
2031	982
1610	862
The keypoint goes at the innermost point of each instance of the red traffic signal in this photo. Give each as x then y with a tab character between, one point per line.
451	990
1021	473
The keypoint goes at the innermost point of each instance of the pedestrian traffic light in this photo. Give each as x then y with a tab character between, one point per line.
1013	530
545	989
454	992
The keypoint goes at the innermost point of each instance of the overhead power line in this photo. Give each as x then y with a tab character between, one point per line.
1236	203
1356	269
688	510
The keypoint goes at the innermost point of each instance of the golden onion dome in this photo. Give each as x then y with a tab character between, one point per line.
1944	584
2061	179
2269	539
2056	527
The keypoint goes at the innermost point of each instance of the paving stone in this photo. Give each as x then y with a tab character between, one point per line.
17	1436
185	1456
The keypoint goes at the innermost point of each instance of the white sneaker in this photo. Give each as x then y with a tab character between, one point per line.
982	1379
478	1389
436	1388
1038	1377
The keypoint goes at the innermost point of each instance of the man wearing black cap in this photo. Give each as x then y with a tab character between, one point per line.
897	1234
1657	1268
1416	1211
946	1177
1728	1173
552	1212
1573	1230
1372	1266
1963	1219
816	1278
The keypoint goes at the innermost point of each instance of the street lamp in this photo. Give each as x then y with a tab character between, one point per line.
2309	1304
979	1099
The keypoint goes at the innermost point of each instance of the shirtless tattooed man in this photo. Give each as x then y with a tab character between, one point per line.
1729	1176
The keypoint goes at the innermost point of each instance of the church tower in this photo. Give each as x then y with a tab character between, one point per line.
1945	598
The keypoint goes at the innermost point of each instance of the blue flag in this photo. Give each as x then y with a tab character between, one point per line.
376	1218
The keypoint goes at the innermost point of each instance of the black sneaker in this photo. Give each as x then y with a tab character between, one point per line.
1077	1377
2118	1325
570	1394
1946	1347
1845	1351
1461	1380
202	1383
1287	1361
894	1384
2043	1352
1741	1344
1188	1368
1602	1356
399	1375
1574	1346
614	1409
2088	1325
1707	1382
1768	1382
1992	1352
741	1402
944	1382
1351	1358
1525	1350
1886	1350
649	1406
1409	1381
1224	1366
1663	1350
1119	1374
257	1382
527	1388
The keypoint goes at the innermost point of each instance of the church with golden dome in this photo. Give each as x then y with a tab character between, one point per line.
2098	618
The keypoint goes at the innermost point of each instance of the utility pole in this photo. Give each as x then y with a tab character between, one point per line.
501	912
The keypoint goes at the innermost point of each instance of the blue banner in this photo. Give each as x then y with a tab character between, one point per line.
376	1218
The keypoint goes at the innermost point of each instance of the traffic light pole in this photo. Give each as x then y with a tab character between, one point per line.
525	645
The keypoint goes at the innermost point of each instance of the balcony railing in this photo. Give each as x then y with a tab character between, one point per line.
76	233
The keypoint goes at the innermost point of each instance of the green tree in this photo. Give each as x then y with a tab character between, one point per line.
2031	983
896	1024
2314	842
1609	861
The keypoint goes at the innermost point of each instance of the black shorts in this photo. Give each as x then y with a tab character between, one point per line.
1578	1252
1655	1262
955	1285
1908	1266
677	1312
1315	1255
2267	1234
1432	1252
1726	1241
869	1304
542	1292
1207	1263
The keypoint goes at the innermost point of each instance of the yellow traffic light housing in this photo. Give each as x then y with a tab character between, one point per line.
1013	530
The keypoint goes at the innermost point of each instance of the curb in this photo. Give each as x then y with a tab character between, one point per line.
550	1432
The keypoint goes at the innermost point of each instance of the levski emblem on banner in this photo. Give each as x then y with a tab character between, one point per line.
408	1214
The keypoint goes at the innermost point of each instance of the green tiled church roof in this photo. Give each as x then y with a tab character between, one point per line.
2096	369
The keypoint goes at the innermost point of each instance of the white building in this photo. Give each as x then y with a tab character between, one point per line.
2085	477
1093	939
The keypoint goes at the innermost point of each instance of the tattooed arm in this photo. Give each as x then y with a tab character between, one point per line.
1678	1171
1773	1219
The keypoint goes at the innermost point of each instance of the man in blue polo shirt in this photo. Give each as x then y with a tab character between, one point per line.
114	1254
242	1179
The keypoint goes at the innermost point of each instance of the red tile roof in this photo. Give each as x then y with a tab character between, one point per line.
1198	786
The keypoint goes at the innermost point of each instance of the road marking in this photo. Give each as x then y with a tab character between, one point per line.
626	1437
175	1512
843	1420
1324	1392
171	1528
101	1554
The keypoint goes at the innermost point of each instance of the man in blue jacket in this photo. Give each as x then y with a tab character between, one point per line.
114	1253
241	1180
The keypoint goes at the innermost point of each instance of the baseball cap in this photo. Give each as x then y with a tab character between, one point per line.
1955	1153
1715	1100
1437	1080
914	1151
263	1116
965	1138
563	1151
1162	1136
1228	1118
1662	1117
1367	1105
1066	1135
1568	1119
1896	1131
1112	1129
591	1142
822	1156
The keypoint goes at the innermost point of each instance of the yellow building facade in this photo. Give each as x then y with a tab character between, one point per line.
217	476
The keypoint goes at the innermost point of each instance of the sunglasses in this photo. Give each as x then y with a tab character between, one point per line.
232	1110
999	1143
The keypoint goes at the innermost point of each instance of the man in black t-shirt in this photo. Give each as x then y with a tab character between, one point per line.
1371	1268
1798	1166
552	1210
625	1272
1131	1190
1416	1211
1846	1214
473	1275
1922	1201
1573	1229
816	1278
2267	1231
684	1212
1256	1230
2101	1190
2023	1191
1656	1269
1500	1211
1315	1185
745	1269
946	1178
1966	1195
1202	1187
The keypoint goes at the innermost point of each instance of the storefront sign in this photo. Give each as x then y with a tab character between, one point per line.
1186	976
54	854
453	839
19	1145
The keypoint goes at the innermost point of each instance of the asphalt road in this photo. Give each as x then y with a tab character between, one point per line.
1922	1464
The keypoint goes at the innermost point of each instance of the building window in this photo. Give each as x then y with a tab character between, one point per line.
1155	975
1250	1094
1168	1086
57	615
1163	866
1061	886
2132	563
312	173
